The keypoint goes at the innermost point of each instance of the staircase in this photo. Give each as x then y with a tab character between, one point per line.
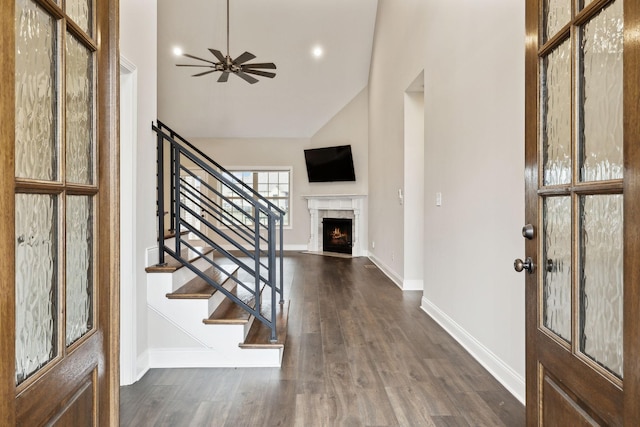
218	284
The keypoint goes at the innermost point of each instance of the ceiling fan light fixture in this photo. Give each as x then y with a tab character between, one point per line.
226	65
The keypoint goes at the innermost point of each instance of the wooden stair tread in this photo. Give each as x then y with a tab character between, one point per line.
230	313
172	234
173	264
259	335
198	288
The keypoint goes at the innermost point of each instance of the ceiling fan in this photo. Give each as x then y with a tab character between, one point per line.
236	66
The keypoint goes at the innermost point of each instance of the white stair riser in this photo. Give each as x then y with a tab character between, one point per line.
187	315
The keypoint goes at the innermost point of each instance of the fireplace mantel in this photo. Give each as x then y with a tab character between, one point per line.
355	203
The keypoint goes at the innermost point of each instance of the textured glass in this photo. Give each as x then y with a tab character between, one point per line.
557	14
556	266
81	12
79	274
80	134
601	280
601	96
36	282
35	102
556	115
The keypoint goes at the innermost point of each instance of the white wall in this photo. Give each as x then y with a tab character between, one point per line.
348	126
472	54
138	34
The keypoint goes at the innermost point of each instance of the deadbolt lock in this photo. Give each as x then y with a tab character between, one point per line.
528	231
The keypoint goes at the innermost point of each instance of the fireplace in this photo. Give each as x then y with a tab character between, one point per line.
352	206
337	235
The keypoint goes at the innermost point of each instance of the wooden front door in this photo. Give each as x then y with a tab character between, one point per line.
59	223
582	207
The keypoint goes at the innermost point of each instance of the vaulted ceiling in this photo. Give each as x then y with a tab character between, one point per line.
306	92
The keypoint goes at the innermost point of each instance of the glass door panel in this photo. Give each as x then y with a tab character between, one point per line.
556	312
601	293
80	11
557	14
555	122
79	114
79	273
36	94
601	95
36	283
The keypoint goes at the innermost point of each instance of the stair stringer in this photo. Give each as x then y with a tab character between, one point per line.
217	345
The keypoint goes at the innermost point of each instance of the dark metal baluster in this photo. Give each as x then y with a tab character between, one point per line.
175	170
160	191
281	258
271	253
256	237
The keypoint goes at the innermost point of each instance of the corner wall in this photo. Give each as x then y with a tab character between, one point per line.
472	54
138	40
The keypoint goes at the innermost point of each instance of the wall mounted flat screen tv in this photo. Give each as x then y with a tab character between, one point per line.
330	164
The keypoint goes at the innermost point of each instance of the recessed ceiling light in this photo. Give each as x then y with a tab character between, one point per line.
177	51
317	52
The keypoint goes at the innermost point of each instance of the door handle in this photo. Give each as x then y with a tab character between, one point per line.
527	264
528	231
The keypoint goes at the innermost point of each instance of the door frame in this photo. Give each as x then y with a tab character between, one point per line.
108	234
128	156
631	191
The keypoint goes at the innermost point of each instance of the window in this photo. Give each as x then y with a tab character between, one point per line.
274	185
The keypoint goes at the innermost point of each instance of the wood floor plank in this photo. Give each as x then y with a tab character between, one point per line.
375	408
359	352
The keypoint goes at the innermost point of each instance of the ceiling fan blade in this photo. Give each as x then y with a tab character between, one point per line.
223	77
206	72
269	65
199	59
218	55
195	65
244	58
260	73
247	77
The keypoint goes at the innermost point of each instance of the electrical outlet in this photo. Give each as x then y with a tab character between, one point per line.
373	244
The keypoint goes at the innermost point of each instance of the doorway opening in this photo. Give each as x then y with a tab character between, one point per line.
413	199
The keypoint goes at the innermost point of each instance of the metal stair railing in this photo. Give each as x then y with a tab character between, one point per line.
227	213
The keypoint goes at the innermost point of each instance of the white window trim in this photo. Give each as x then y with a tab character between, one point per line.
273	169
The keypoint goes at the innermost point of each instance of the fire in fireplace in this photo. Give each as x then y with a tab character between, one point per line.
337	234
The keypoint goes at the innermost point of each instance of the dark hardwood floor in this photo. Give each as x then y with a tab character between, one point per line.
359	352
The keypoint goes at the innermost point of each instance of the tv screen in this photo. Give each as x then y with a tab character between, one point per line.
330	164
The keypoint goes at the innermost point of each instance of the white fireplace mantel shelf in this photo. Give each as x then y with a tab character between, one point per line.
355	203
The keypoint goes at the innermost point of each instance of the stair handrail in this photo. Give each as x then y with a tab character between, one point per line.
261	207
173	134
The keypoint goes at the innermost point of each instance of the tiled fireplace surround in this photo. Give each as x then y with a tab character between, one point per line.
338	206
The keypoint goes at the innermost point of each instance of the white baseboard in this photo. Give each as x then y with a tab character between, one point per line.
142	365
388	271
209	358
510	379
